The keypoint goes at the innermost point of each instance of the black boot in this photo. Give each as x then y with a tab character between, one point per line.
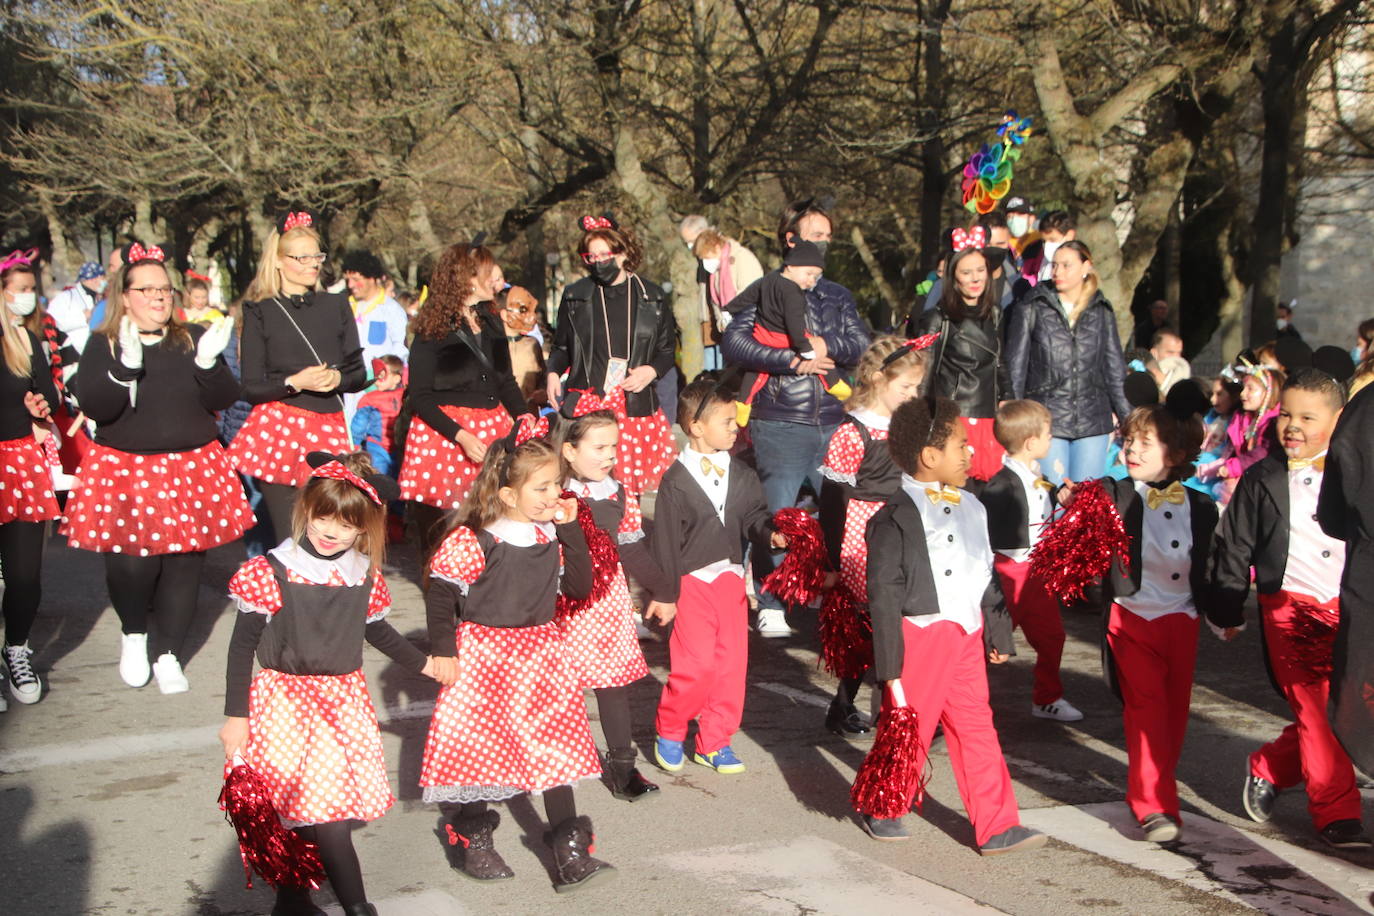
361	909
573	844
625	781
480	858
295	901
845	720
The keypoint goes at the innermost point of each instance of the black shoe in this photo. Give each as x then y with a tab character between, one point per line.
1346	834
623	779
890	829
573	844
1160	828
1014	839
295	901
361	909
480	858
1258	797
846	720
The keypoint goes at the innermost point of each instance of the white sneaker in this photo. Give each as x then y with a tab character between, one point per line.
24	684
170	678
1061	710
641	631
133	660
773	623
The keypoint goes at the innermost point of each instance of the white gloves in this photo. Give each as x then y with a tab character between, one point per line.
213	342
130	345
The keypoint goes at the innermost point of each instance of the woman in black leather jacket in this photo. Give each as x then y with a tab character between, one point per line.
966	362
1063	350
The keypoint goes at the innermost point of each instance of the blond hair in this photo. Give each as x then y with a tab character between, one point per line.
1018	421
17	359
267	282
1089	287
871	364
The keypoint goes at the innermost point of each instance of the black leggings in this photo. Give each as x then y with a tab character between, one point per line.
335	842
280	501
559	806
21	564
847	690
167	585
613	707
429	522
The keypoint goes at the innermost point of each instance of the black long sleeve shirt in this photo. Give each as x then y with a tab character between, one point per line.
15	420
462	370
271	349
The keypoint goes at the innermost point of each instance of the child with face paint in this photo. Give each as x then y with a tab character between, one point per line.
305	722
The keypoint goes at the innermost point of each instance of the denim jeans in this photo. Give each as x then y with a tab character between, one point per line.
710	359
787	454
1081	459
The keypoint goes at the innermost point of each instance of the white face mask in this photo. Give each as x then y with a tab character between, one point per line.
1018	225
23	304
1281	323
710	265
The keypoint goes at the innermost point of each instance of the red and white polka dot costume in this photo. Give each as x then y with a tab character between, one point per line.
515	721
843	460
602	643
436	470
314	739
153	504
26	493
276	437
644	452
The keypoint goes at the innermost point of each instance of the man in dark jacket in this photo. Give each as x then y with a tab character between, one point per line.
793	416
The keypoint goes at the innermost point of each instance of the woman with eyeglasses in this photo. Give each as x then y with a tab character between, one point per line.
617	330
298	356
155	491
462	395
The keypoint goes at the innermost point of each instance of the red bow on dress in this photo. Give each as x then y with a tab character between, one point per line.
18	257
593	223
527	428
588	401
915	343
335	470
973	238
297	220
152	253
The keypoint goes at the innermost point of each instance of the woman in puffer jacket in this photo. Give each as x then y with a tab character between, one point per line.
1063	350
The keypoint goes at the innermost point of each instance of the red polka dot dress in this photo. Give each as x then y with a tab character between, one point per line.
26	491
515	721
313	733
602	643
436	471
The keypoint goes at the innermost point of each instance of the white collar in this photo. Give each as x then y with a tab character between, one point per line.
1030	474
872	420
594	489
351	565
719	459
520	534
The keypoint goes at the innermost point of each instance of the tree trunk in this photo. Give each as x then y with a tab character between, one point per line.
64	254
1231	309
1173	258
1272	214
929	91
875	270
418	221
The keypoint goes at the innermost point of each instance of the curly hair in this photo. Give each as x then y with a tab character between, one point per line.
620	240
922	422
872	363
449	288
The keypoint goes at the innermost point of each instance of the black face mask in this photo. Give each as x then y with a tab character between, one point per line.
604	273
996	258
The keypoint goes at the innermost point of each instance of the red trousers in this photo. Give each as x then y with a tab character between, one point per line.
1036	612
1154	666
1305	751
986	460
945	679
707	654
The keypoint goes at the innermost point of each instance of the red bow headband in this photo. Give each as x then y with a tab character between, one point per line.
18	258
527	428
297	219
973	238
593	223
588	401
152	253
192	275
335	470
910	346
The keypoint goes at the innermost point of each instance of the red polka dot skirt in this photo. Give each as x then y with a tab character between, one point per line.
146	505
314	739
854	548
276	437
602	644
514	722
26	493
437	472
986	460
645	451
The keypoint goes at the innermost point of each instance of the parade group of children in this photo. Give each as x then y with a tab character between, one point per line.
528	604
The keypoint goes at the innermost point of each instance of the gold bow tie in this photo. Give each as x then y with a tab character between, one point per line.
948	494
1044	484
1173	493
1297	464
709	467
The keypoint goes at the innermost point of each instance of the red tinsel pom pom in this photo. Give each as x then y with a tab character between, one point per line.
1311	638
280	856
1079	547
798	578
846	635
894	764
605	561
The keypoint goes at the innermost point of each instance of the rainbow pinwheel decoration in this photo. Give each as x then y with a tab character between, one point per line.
988	174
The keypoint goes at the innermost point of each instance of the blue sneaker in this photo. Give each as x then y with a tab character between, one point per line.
722	761
668	754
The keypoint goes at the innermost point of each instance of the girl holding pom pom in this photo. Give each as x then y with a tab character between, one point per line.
306	724
859	477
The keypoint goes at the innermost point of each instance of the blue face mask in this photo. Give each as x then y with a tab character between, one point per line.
1355	355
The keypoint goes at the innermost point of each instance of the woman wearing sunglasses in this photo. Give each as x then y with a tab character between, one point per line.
616	330
298	356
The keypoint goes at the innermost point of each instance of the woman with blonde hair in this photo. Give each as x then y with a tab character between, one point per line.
298	356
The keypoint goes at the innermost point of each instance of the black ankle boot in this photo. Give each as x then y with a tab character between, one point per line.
360	909
295	901
845	720
624	780
480	858
573	844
